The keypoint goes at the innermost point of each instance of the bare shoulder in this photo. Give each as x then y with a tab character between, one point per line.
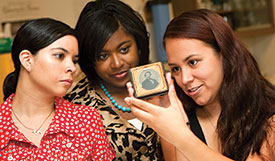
271	128
268	147
267	151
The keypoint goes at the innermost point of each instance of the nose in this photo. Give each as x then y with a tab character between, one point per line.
71	67
116	61
186	76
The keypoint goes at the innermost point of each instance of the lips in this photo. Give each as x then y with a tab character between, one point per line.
194	90
121	74
67	82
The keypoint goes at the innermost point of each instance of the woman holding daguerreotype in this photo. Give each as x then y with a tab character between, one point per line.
225	110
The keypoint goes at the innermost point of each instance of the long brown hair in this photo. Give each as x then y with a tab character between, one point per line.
246	97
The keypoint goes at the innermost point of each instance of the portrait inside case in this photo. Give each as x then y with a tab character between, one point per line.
148	80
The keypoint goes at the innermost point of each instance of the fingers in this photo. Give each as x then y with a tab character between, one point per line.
140	109
143	116
172	92
169	77
164	101
154	100
130	89
143	105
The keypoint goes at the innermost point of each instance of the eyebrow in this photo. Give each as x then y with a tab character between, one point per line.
185	60
122	43
60	48
65	50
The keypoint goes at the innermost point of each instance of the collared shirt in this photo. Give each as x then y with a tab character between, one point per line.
75	133
129	142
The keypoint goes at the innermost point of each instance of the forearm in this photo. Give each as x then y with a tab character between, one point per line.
190	147
168	149
170	152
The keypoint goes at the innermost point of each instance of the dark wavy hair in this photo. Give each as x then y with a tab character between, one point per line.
247	98
97	22
33	36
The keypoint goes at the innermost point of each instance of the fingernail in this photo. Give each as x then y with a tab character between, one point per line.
128	84
127	100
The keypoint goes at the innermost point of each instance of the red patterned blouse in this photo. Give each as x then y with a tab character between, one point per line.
76	133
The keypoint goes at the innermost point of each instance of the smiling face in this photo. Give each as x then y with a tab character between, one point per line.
119	54
197	69
53	68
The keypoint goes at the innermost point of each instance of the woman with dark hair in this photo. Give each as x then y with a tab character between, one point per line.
112	39
36	123
226	107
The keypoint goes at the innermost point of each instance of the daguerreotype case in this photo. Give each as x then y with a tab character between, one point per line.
148	80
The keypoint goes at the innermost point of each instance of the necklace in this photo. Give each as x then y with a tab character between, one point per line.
124	109
36	132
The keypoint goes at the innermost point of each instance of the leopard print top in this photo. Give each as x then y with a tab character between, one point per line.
129	142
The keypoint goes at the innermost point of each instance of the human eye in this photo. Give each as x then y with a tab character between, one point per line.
75	60
59	56
175	69
124	50
193	62
103	56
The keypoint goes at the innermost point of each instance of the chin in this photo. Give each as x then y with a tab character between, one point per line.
60	94
200	102
121	84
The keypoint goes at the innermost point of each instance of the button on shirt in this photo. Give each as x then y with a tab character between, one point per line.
75	133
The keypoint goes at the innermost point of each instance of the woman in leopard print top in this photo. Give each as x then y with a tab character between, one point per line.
112	39
129	142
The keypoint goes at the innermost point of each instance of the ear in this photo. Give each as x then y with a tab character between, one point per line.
25	57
